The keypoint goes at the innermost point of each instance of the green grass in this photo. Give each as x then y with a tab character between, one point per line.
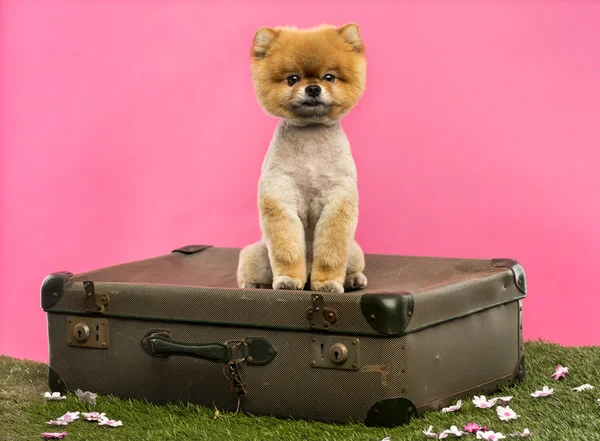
564	416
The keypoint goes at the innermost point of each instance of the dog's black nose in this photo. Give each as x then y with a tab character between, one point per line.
313	90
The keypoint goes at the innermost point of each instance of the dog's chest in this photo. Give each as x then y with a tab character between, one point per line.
309	167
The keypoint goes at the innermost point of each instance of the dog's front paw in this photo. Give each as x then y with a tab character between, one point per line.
355	281
327	286
285	282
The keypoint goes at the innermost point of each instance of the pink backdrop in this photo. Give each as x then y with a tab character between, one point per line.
131	128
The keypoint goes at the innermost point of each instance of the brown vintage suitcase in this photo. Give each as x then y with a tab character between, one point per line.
175	328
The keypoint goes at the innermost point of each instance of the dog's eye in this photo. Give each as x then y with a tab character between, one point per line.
293	79
329	78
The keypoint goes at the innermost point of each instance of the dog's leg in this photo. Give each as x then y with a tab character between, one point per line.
254	269
333	234
355	279
284	234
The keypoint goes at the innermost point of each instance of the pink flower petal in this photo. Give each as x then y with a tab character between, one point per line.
54	435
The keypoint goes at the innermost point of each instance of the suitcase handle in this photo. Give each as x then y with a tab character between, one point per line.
160	344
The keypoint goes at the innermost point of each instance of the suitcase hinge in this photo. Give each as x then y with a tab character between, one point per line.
320	316
94	301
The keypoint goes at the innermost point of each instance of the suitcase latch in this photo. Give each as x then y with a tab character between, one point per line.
320	316
94	301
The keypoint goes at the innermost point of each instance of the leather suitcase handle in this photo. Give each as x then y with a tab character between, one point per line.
160	344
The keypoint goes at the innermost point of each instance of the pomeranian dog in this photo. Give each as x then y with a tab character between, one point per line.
307	192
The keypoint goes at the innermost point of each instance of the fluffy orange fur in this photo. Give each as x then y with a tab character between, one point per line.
278	53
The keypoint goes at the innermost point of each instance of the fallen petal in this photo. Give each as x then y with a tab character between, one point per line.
428	433
560	372
87	396
58	422
506	413
482	403
453	408
110	423
490	435
69	416
54	435
543	393
583	387
94	416
54	396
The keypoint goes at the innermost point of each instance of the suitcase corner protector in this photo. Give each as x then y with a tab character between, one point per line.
517	270
520	371
388	313
52	288
391	413
55	381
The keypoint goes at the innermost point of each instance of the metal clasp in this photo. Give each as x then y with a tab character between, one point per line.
94	301
328	316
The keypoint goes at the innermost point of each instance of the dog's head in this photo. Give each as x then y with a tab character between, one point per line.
308	76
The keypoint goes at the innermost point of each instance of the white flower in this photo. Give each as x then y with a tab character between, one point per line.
110	423
429	434
54	396
583	387
525	433
506	413
70	416
94	416
453	408
65	419
387	438
543	393
490	435
87	396
482	403
452	431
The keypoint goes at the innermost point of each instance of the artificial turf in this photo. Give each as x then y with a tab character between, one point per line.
564	416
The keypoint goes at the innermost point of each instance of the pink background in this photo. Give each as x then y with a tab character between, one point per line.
128	129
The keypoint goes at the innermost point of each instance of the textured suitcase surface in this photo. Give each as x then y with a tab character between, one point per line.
175	328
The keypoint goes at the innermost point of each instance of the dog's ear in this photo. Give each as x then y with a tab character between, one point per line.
351	34
263	39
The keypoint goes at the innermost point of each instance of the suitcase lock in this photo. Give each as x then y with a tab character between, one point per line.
87	332
333	352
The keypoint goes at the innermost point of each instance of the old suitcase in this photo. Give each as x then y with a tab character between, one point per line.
175	328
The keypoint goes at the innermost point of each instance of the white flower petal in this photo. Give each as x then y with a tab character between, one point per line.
453	408
110	423
87	396
428	433
58	422
583	387
54	396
